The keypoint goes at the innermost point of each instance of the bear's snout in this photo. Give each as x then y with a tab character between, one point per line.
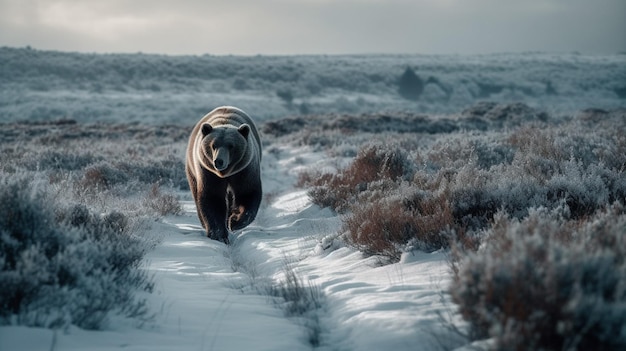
219	164
221	159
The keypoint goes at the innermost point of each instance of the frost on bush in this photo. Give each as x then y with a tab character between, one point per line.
71	198
67	160
384	226
557	165
162	203
65	265
103	175
383	210
499	115
374	164
547	284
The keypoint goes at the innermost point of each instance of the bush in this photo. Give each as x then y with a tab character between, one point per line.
384	226
163	204
547	284
67	160
373	163
468	178
102	176
65	265
69	249
169	171
384	213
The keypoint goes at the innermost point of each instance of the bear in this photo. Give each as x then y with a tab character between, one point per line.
223	166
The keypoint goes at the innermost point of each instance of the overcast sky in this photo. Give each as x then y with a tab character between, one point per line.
252	27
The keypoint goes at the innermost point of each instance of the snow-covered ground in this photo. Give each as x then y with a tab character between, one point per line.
210	296
46	85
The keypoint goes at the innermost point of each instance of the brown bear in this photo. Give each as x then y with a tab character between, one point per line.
224	171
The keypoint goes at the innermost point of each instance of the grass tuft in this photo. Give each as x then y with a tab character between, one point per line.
300	300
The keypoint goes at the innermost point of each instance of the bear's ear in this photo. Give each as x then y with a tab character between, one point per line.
244	129
206	129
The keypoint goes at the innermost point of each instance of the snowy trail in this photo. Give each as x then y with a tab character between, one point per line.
210	296
366	306
201	295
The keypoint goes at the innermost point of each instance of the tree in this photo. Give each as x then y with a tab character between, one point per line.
410	85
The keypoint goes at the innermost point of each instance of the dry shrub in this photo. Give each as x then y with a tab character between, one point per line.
378	229
329	191
93	178
376	162
384	227
467	178
384	212
538	155
102	176
162	203
547	284
308	178
373	163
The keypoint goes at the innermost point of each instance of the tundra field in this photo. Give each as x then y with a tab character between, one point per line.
410	203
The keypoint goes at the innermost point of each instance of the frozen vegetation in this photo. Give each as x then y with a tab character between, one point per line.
42	85
532	212
402	210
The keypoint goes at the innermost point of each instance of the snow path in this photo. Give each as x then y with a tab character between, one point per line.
209	296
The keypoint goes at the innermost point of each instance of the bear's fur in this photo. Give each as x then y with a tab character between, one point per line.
223	170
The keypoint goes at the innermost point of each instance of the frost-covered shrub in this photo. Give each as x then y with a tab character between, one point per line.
373	163
523	160
72	197
65	265
578	192
385	226
66	160
106	174
547	284
162	203
550	167
169	171
491	154
499	115
384	212
103	175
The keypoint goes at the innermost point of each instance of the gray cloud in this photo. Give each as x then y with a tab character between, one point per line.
315	26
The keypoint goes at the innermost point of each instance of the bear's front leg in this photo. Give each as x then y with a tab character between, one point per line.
213	211
245	209
236	214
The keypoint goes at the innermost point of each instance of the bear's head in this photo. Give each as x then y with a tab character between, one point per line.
225	148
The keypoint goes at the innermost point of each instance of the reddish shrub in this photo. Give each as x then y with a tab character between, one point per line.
385	226
162	203
373	163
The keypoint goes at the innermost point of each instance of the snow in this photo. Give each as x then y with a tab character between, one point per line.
210	296
180	89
